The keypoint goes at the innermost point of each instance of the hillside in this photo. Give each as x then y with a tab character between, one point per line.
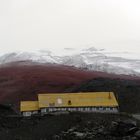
24	80
127	91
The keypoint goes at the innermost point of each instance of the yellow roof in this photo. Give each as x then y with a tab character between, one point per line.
77	99
29	106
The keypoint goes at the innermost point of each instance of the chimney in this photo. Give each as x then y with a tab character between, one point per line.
109	95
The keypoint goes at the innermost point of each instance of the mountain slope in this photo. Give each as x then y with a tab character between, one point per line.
24	80
91	59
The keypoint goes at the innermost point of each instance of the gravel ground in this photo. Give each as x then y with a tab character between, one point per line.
72	126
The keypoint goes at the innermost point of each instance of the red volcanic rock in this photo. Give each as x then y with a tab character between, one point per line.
24	82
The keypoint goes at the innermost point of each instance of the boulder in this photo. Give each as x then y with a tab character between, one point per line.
137	134
129	122
132	131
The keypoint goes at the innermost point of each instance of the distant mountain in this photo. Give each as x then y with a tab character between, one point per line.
91	58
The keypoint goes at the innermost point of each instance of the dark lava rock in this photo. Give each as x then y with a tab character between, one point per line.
6	109
137	134
72	126
117	130
123	127
132	130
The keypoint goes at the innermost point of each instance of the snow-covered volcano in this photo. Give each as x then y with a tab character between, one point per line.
90	58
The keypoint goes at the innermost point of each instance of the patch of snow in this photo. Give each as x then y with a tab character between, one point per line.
87	58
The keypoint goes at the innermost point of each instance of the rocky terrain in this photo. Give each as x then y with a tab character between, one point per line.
70	126
101	129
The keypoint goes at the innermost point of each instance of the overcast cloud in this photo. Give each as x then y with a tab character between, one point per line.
53	24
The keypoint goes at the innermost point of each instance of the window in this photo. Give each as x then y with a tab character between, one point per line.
34	112
27	113
100	108
50	109
43	110
59	101
107	108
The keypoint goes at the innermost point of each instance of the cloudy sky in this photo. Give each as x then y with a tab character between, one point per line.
54	24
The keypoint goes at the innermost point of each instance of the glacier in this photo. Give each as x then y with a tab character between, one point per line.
91	58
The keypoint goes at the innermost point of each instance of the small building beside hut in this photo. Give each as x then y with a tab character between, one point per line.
28	108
